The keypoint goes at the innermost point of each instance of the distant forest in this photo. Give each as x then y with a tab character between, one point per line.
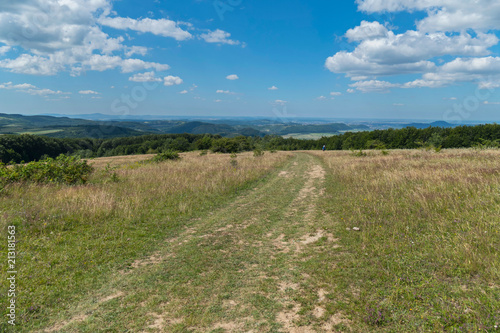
18	148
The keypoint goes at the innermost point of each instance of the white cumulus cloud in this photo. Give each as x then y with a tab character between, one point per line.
232	77
220	37
453	42
366	31
273	88
66	35
172	80
161	27
145	77
88	92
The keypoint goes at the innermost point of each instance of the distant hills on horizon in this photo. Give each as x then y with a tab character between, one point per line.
104	126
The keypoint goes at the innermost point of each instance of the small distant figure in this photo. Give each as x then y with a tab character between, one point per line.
324	147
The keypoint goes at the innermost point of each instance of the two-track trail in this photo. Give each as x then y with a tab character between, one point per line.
250	266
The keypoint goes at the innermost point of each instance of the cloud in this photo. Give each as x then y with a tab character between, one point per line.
351	91
220	37
160	27
104	62
34	65
321	98
452	43
442	15
409	52
145	77
373	86
172	80
4	49
366	31
217	100
150	77
491	103
335	93
183	92
484	71
273	88
225	92
88	92
32	90
21	86
130	51
280	102
54	36
232	77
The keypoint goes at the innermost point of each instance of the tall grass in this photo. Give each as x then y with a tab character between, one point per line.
71	238
427	257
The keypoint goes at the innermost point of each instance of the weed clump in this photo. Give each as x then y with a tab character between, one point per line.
110	174
63	169
359	153
258	153
165	156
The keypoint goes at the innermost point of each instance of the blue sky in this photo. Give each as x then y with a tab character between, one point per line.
394	59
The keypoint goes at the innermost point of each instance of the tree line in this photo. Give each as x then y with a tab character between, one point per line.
27	148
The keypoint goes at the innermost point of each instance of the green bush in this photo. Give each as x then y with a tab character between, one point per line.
258	153
165	156
359	153
63	169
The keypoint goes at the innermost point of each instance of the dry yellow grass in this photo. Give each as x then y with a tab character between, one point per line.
101	162
141	185
427	254
181	248
70	236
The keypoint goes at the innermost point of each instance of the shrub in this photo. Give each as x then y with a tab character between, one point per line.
258	153
375	144
359	153
63	169
165	156
110	174
486	144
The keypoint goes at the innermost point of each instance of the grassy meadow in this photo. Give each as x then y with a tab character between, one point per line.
427	257
72	238
219	243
